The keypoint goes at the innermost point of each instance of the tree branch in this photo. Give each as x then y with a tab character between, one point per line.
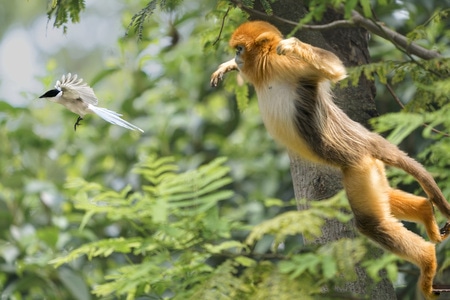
393	36
357	19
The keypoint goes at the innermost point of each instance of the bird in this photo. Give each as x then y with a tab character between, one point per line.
79	98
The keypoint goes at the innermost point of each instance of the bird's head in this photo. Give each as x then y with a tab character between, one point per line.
51	93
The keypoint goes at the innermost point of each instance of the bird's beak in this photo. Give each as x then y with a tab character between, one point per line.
50	94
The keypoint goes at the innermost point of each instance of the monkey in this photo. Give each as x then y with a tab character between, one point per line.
293	81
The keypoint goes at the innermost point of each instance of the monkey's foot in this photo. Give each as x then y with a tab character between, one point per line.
224	68
77	123
445	231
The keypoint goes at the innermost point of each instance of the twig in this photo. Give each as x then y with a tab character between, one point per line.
394	95
221	27
397	99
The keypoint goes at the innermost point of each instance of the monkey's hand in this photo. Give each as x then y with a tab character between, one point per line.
224	68
321	61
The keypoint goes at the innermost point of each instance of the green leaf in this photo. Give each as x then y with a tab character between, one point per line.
245	261
237	246
329	267
349	6
366	8
74	283
49	235
300	264
386	261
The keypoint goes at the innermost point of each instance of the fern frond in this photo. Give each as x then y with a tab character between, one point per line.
340	257
387	262
381	69
221	284
169	194
306	222
288	223
270	283
102	248
192	192
155	170
330	261
401	124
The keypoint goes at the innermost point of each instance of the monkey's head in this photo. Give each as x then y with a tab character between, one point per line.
254	42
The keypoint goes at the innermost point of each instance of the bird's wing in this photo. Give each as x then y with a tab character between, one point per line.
74	87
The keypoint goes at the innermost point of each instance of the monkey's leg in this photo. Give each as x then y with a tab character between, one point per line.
405	206
77	123
224	68
368	194
409	207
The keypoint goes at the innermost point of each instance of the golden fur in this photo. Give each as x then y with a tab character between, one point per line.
292	82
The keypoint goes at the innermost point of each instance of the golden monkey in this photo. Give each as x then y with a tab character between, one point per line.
292	83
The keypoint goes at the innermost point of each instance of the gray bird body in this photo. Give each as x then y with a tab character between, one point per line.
80	99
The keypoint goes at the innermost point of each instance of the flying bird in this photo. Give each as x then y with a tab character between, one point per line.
79	98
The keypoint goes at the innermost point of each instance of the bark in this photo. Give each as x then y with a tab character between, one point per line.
315	182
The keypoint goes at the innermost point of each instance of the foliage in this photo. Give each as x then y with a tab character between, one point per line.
139	18
307	222
179	244
171	217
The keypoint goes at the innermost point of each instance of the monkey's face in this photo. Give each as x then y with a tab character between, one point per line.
239	59
254	42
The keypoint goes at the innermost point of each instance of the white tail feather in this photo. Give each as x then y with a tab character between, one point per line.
112	117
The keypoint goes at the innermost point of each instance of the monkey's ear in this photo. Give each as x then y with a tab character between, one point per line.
264	38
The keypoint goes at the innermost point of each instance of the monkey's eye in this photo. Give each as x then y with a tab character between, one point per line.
239	49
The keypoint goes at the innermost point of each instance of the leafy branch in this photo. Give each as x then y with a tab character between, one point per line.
356	20
138	20
63	10
399	102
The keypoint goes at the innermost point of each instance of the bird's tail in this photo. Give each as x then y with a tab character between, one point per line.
112	117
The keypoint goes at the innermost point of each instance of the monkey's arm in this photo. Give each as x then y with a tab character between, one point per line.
226	67
324	62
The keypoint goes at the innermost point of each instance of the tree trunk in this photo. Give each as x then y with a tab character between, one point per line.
315	182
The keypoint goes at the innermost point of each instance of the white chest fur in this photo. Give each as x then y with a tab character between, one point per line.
277	106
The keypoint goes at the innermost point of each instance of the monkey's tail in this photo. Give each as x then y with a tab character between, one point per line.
397	158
